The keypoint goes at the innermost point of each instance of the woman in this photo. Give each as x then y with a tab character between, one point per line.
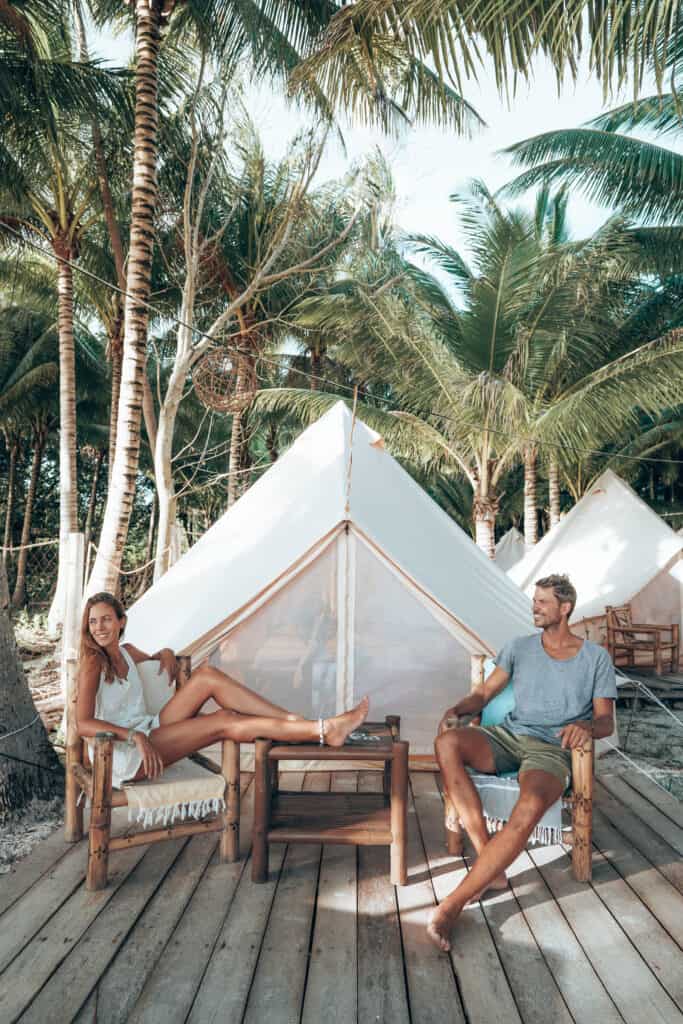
111	699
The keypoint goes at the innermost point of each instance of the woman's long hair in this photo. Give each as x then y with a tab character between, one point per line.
90	649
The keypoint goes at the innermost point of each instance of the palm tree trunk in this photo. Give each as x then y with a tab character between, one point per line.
163	473
554	492
92	498
13	446
316	363
68	494
530	504
235	459
144	196
19	594
485	511
21	782
115	356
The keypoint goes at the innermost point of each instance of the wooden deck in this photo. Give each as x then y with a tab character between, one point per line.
177	937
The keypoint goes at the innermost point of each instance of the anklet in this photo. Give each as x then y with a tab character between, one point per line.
321	731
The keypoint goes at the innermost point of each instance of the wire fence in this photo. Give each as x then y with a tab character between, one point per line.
32	579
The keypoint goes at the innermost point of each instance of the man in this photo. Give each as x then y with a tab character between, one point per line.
564	689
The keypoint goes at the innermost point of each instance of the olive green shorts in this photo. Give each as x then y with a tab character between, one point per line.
519	753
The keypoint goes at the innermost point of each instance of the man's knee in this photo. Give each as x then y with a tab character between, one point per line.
449	744
527	812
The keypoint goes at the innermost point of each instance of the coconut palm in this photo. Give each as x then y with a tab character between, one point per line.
472	379
27	367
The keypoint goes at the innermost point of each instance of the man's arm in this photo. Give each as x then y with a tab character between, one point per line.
601	725
480	696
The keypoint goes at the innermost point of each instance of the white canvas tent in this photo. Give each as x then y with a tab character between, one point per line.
510	549
336	575
616	550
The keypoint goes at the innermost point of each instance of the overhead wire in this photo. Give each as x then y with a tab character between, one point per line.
351	389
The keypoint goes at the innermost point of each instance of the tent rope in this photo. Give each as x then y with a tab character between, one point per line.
347	507
15	732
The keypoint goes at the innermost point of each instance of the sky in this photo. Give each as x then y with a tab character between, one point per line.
429	164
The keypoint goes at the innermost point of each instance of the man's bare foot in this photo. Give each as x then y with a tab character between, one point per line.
339	727
499	884
439	929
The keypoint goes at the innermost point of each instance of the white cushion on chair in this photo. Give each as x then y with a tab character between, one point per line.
185	790
156	686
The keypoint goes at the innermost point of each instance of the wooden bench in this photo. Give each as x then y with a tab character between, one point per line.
360	819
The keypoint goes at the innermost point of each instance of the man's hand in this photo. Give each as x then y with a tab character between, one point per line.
575	734
444	724
168	662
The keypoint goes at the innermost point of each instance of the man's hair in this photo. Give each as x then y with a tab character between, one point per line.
562	587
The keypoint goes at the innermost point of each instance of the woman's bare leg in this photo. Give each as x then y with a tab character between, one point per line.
178	739
207	682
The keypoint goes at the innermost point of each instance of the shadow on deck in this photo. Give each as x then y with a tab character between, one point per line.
178	937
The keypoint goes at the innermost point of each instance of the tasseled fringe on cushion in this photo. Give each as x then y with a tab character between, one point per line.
547	835
166	815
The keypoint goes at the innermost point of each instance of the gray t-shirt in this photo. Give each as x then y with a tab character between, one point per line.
550	693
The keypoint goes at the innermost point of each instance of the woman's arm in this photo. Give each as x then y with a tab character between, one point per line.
166	658
88	726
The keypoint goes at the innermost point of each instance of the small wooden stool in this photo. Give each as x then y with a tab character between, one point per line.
360	819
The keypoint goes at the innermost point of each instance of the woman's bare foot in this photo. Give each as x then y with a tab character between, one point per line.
439	929
499	883
339	727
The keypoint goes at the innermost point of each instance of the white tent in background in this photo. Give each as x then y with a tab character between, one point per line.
616	550
510	549
336	575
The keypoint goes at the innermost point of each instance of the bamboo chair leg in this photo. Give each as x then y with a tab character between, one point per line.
229	847
73	804
393	722
100	814
262	798
582	812
399	813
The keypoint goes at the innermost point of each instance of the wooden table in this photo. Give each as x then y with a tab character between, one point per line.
360	819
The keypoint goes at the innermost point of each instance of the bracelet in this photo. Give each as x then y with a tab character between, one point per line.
321	731
130	736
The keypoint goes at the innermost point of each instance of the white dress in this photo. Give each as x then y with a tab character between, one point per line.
122	702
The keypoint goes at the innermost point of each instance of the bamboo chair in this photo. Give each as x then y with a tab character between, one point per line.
627	639
578	801
96	782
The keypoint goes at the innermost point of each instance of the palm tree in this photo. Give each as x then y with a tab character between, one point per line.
475	381
27	367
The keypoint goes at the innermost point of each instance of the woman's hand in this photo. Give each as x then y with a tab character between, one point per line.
151	758
169	663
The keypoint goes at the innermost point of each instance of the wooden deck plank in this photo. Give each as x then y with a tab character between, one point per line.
583	992
277	989
432	989
535	989
22	876
234	954
634	989
26	974
382	992
174	905
661	953
640	805
663	801
171	987
657	894
124	978
331	987
30	912
640	836
483	985
61	998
